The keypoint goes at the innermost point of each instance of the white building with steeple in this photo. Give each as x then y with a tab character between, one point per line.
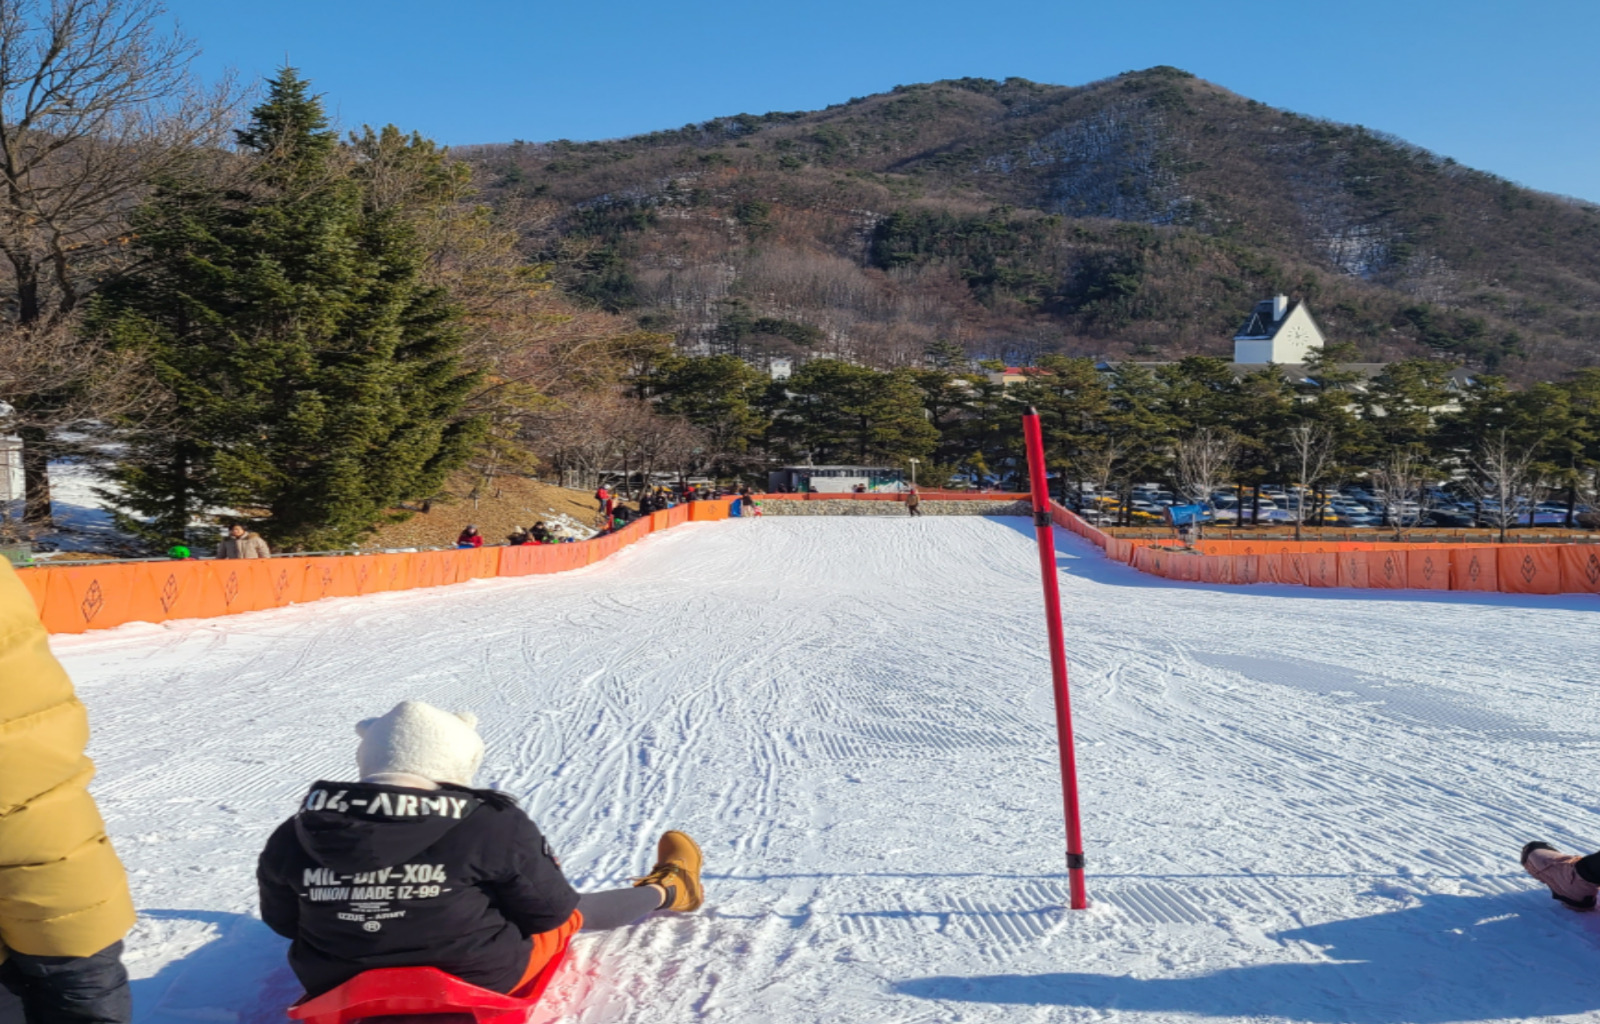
1277	331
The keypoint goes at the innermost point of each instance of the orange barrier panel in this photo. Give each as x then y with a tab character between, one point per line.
1320	568
1580	570
602	548
1247	568
1285	568
1473	568
708	511
77	600
1173	564
1428	569
1352	568
1529	569
1386	570
540	559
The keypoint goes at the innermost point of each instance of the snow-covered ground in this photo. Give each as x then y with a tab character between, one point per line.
1300	804
81	521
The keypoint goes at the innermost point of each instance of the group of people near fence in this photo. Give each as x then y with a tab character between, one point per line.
241	542
613	514
520	536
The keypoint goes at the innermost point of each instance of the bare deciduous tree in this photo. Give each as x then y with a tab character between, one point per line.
594	435
1100	464
1501	475
656	443
1402	483
1312	446
96	103
1204	462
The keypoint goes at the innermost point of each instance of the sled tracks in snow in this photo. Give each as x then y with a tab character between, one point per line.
1031	913
1388	697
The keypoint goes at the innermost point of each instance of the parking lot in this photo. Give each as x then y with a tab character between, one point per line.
1351	508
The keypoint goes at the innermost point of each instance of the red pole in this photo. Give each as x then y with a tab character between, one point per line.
1044	530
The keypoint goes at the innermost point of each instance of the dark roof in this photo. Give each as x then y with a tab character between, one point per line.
1259	324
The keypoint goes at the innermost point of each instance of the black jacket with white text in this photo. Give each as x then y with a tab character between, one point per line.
368	876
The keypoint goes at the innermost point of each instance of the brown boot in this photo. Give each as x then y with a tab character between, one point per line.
677	870
1560	872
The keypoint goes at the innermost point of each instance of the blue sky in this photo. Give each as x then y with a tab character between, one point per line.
1512	88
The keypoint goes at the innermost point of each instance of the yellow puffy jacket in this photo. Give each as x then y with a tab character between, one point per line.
62	890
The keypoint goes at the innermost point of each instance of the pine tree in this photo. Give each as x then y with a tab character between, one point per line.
717	393
311	376
1073	399
833	411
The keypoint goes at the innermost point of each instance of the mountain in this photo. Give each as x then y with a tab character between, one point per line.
1140	215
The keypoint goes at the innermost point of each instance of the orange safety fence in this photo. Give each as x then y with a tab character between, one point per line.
76	599
896	496
1503	568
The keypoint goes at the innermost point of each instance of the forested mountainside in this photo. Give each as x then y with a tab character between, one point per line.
1136	216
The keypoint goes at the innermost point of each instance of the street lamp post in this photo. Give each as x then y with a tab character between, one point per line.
913	471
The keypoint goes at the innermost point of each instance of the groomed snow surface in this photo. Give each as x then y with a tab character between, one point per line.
1300	805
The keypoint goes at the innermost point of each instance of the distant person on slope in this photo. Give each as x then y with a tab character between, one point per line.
241	543
470	538
913	502
64	904
412	867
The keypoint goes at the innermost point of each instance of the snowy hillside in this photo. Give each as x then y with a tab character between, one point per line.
1299	805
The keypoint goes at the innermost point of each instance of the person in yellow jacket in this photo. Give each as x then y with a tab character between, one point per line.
64	902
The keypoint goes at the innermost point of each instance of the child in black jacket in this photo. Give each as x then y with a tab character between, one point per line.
411	867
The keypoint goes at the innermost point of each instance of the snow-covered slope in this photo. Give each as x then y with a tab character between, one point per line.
1300	805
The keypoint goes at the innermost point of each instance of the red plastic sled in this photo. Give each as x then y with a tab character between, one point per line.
423	991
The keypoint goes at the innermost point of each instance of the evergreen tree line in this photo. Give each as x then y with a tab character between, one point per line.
1409	427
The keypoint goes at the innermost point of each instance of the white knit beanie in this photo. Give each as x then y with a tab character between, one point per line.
419	739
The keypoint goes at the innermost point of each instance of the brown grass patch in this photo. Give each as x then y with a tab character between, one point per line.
507	503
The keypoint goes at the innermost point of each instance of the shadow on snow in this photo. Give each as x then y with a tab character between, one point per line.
241	975
1450	958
